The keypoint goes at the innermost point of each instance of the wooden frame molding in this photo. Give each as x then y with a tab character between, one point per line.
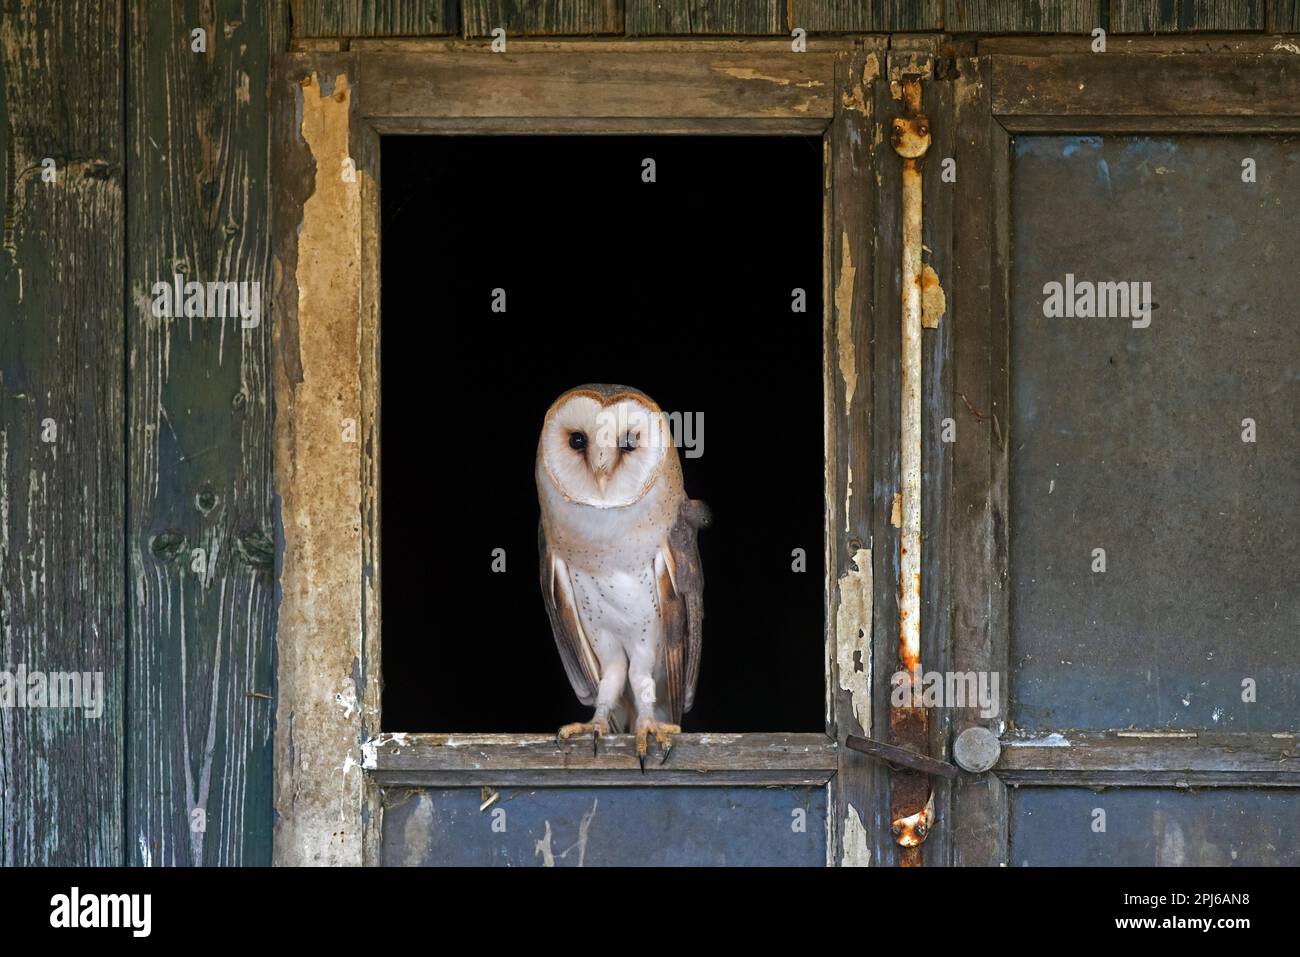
1151	759
331	106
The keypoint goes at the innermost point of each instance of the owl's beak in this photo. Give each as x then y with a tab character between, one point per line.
602	464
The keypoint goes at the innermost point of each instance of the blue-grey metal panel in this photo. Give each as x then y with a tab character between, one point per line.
1150	827
575	827
1131	439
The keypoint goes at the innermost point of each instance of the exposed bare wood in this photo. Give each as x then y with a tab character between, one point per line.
324	473
617	85
597	126
695	760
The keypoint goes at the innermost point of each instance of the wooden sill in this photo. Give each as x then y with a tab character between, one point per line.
503	760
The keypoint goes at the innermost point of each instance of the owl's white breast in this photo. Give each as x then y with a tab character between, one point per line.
605	540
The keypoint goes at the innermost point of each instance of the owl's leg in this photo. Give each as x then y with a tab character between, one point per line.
613	674
643	690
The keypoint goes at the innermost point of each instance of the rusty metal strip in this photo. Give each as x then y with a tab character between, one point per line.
912	801
901	756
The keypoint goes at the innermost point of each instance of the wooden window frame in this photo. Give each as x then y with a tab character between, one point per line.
331	105
1016	86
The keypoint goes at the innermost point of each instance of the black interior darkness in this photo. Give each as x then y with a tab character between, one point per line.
682	288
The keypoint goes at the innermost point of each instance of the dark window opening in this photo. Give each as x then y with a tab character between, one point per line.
682	288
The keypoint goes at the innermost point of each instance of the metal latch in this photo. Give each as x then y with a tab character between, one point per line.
901	757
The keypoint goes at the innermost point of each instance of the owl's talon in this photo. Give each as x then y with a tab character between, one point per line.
595	728
663	735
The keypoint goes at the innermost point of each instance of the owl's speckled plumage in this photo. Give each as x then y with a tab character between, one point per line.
620	567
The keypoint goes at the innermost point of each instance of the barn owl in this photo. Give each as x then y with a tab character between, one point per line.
620	564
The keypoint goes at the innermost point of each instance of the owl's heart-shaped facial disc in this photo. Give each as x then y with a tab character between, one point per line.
603	450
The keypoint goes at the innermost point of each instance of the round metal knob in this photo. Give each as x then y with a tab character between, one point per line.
976	750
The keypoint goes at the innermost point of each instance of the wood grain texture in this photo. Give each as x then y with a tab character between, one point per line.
1134	759
1022	16
1283	16
936	454
325	304
1141	44
739	17
845	16
199	476
615	84
372	18
881	484
1158	16
696	760
1078	87
979	804
62	579
542	17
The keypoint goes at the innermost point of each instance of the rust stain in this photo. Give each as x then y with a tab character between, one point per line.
933	301
912	830
844	322
912	814
855	100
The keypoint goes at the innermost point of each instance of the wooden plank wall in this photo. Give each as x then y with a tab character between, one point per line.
477	18
127	442
62	396
200	634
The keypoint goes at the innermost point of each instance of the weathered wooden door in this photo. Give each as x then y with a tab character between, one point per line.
1125	522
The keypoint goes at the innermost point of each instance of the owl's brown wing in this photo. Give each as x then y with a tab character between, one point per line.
580	662
681	599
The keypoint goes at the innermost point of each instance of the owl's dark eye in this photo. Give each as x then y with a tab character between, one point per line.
628	443
577	441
